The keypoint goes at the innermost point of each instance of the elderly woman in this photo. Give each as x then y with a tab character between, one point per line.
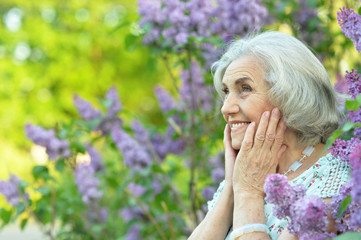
280	107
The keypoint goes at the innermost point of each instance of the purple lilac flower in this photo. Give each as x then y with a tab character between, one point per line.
115	106
96	217
279	192
308	217
353	80
10	190
55	147
174	145
340	85
208	192
87	183
342	149
85	109
111	119
95	158
217	175
174	21
130	213
355	118
238	17
157	187
349	219
133	232
141	134
355	162
165	100
194	88
135	156
136	189
350	23
210	53
303	16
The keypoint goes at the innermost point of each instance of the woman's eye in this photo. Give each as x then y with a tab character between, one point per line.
246	88
225	90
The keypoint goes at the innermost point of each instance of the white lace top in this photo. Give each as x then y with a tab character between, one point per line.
324	179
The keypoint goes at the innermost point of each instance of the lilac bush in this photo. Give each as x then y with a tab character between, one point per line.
350	23
55	148
10	190
88	185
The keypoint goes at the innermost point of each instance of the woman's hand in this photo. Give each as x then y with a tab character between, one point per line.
259	153
229	155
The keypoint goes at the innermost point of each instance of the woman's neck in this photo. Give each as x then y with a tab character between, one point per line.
294	152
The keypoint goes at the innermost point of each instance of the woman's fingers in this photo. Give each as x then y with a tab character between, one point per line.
272	128
247	143
261	130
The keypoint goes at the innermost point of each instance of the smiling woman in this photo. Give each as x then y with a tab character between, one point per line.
245	97
280	107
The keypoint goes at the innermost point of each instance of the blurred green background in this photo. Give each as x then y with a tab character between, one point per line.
50	50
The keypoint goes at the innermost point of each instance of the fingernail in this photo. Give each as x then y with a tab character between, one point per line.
252	124
266	114
275	112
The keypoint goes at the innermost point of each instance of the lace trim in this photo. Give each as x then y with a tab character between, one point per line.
212	202
338	175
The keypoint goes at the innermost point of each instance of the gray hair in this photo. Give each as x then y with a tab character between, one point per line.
299	84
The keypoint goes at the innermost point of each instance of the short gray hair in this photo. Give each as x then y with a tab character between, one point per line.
299	84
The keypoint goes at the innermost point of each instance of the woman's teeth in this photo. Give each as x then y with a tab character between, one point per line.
236	125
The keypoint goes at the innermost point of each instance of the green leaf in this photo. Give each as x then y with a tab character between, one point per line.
5	215
348	126
20	208
312	3
352	105
41	172
359	11
344	205
43	190
78	147
349	236
59	165
331	139
23	223
130	42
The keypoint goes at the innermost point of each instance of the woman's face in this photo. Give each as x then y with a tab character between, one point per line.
245	97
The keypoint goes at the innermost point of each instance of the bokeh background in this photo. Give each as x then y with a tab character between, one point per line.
50	50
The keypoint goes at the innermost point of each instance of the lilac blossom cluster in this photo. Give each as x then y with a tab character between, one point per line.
135	156
355	118
55	147
342	148
350	23
353	80
308	214
10	190
304	16
238	17
194	92
95	158
105	122
87	183
350	220
280	193
172	22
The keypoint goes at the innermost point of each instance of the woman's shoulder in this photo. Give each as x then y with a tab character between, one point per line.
325	177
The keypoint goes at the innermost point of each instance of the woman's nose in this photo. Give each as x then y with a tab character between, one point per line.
230	105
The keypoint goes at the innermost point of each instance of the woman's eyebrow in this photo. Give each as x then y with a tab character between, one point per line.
238	81
242	79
